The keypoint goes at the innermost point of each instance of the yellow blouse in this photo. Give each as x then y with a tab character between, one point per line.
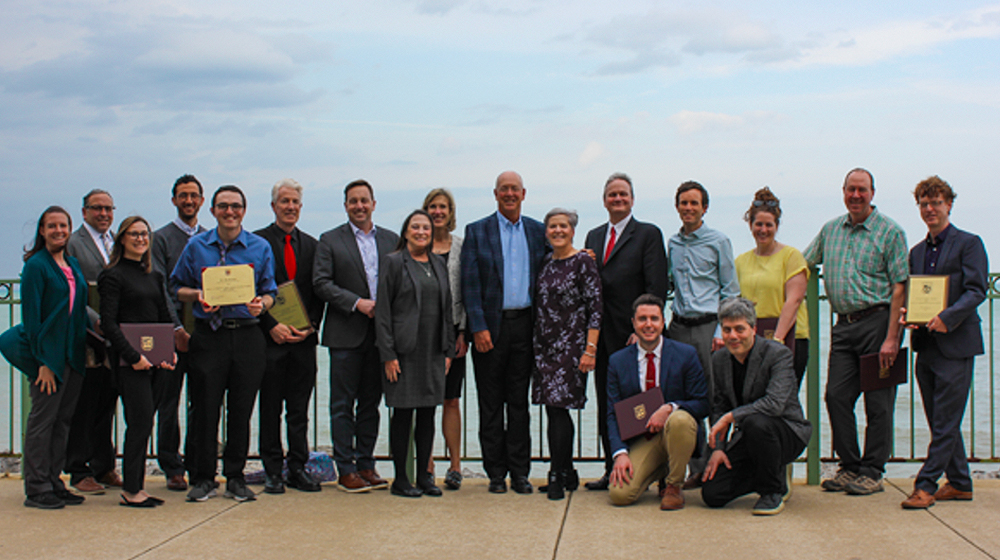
762	281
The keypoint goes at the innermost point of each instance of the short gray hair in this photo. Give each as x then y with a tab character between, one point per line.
738	308
285	184
570	214
618	176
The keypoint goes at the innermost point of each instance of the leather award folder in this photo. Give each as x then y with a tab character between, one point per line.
633	413
874	377
153	340
766	327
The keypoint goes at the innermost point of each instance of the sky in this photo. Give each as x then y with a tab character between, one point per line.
413	95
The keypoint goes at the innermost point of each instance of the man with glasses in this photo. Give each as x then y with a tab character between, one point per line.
227	351
90	451
168	242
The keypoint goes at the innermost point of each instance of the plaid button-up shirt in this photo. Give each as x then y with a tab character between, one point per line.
862	262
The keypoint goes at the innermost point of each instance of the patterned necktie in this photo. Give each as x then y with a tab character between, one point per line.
215	321
611	246
109	244
650	370
289	257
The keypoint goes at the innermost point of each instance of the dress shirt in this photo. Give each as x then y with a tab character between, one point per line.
932	253
619	228
206	249
100	239
657	354
182	225
369	256
703	271
516	264
860	262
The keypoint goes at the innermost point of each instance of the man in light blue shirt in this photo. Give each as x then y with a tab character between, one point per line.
703	274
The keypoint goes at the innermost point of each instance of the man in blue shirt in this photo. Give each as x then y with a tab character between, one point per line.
501	256
703	274
227	349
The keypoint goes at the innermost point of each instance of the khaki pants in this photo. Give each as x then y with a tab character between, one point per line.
666	454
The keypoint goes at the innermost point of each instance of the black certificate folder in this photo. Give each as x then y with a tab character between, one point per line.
153	340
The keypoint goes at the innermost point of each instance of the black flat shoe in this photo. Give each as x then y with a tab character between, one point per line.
521	485
428	487
407	492
147	503
498	486
156	501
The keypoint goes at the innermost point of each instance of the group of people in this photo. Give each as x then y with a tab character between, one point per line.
400	312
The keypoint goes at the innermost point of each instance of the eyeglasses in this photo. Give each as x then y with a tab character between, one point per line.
930	203
138	234
768	203
97	208
235	206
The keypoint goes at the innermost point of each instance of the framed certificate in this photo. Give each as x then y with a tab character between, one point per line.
926	296
288	308
228	285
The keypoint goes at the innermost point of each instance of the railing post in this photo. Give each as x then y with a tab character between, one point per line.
812	378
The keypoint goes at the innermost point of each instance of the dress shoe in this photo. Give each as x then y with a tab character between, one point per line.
353	483
147	503
426	485
273	484
70	498
556	488
949	492
112	479
599	484
521	485
673	498
373	479
693	481
45	500
177	483
300	480
572	480
89	486
919	499
404	489
498	486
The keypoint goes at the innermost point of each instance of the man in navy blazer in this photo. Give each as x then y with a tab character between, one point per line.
632	261
947	344
501	256
674	369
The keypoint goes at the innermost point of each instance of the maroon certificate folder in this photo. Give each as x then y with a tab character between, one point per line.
633	412
873	377
153	340
766	327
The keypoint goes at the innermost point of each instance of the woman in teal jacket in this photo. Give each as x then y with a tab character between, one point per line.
53	303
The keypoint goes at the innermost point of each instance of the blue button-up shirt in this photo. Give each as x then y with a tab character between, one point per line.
206	249
703	271
934	250
369	256
516	264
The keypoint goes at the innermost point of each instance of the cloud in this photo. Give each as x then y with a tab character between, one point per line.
591	153
693	122
437	7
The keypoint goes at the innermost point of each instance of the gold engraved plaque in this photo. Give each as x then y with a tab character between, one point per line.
288	308
926	296
228	285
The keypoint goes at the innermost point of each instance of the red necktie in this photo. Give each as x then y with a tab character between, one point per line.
650	370
289	257
611	246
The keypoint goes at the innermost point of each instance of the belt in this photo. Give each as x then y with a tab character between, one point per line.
696	320
230	323
515	313
859	315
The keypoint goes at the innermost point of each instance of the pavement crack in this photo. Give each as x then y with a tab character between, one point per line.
185	531
562	525
946	524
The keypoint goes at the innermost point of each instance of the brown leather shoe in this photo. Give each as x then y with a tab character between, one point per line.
373	479
673	498
693	481
89	486
949	492
112	479
919	499
177	483
353	483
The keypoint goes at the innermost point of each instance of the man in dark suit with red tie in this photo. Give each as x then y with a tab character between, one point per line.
291	352
655	362
632	261
947	345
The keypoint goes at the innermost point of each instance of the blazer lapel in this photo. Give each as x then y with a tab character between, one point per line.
917	261
88	242
753	369
412	271
602	232
496	247
351	244
627	234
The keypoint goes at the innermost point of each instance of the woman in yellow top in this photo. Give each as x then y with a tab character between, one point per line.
774	276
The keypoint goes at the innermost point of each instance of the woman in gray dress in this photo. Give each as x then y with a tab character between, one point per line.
416	340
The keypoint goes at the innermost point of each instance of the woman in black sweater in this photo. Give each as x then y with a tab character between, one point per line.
132	293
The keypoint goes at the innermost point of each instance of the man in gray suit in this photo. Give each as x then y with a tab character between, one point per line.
90	451
756	395
345	276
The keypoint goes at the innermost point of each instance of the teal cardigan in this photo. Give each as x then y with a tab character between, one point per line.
50	334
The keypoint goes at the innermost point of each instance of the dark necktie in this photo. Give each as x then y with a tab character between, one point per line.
289	257
611	246
650	370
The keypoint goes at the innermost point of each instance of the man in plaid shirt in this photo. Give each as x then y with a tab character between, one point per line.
864	258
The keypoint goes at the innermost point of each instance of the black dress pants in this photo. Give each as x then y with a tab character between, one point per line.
166	396
226	363
139	404
288	384
90	450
